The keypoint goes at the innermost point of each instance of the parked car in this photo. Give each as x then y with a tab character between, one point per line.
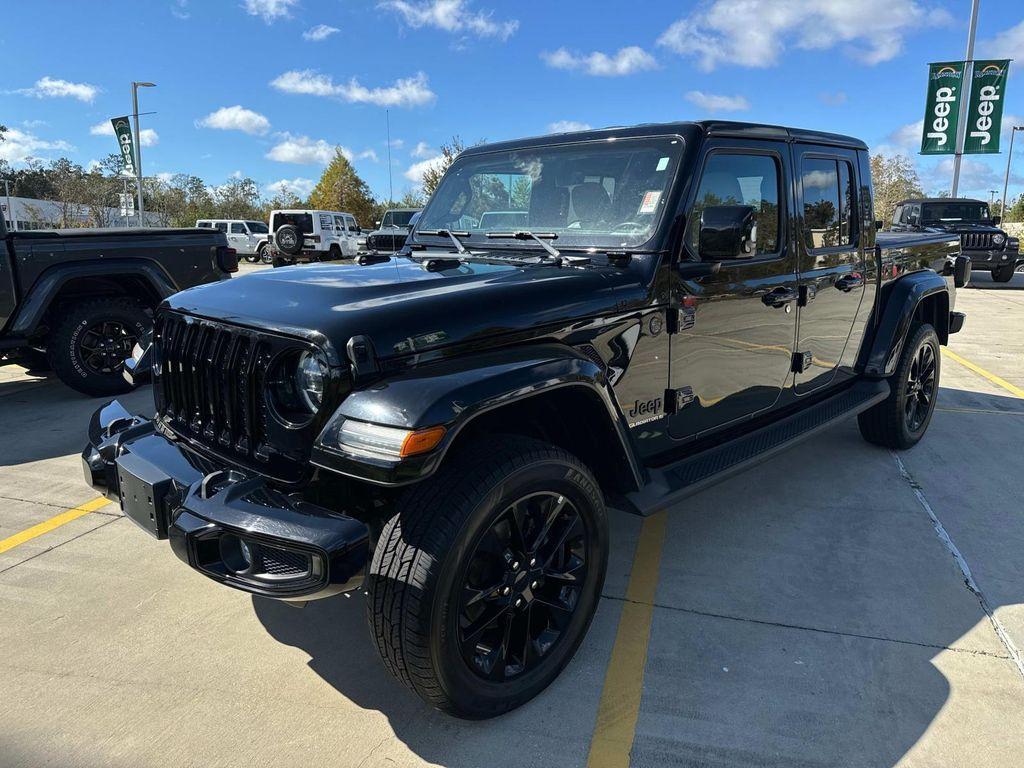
305	235
77	300
250	239
391	231
441	428
988	246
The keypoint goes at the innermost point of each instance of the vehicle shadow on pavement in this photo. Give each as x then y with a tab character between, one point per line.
824	624
984	281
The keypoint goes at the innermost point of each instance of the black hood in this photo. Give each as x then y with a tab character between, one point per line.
960	227
404	307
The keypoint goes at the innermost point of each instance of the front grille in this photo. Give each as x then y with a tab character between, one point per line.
211	384
282	562
976	240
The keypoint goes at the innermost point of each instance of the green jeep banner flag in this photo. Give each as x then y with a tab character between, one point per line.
985	108
123	133
945	86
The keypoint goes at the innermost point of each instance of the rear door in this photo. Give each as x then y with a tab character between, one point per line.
731	356
831	261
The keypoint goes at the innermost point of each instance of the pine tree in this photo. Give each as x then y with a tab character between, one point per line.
341	189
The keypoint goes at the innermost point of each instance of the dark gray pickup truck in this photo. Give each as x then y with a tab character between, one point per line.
77	300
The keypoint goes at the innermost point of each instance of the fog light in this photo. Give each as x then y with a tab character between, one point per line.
236	553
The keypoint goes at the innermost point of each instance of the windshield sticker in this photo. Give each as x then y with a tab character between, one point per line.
650	201
662	164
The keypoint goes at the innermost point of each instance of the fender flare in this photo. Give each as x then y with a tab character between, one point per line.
902	301
50	283
453	393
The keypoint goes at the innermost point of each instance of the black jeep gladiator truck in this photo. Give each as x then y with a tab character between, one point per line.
442	428
981	239
77	300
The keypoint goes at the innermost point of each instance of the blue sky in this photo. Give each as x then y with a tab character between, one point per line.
267	88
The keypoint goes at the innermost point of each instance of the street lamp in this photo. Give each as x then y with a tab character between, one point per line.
10	211
138	144
1006	180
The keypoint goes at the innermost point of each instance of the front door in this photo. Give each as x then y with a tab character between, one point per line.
238	237
831	267
732	353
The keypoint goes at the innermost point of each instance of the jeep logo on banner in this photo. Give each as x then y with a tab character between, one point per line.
985	108
123	133
945	85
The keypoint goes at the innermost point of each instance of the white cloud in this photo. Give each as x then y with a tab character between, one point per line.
319	32
415	171
406	92
268	10
567	126
34	123
165	176
147	136
832	98
1008	44
52	88
451	16
368	154
423	150
299	187
753	33
304	150
397	143
713	102
236	118
19	146
179	9
625	61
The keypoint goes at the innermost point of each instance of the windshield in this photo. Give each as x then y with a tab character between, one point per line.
601	193
303	221
398	218
257	227
934	213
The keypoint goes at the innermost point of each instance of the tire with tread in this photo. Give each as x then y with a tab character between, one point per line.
63	344
413	577
885	424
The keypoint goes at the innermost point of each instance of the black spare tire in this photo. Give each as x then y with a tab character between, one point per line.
288	239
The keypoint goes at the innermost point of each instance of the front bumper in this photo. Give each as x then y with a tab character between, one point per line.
993	259
229	525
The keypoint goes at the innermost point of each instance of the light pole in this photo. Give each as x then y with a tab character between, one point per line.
10	211
1006	179
968	78
138	144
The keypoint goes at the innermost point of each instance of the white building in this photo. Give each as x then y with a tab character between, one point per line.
24	213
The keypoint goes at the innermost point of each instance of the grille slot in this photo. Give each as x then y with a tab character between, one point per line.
282	562
976	240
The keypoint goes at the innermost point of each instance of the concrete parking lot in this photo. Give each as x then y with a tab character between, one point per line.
838	605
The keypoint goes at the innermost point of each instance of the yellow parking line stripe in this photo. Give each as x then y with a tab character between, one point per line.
619	708
997	380
54	522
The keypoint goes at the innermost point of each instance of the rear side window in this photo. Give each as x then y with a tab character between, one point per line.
828	202
303	221
206	224
238	229
221	226
736	179
326	221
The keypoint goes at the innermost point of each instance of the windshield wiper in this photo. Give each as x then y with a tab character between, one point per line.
527	235
453	236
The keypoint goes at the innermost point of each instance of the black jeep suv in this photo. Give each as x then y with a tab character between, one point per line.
988	247
442	428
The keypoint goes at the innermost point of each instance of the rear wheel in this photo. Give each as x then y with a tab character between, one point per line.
902	418
1003	274
88	347
483	585
334	253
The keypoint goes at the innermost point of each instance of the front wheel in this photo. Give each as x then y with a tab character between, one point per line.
483	585
901	419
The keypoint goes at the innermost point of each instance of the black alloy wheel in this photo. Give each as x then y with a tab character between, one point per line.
104	346
920	390
522	585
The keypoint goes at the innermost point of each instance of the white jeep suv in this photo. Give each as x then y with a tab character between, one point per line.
305	235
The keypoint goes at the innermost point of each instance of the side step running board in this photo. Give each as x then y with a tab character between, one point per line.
695	473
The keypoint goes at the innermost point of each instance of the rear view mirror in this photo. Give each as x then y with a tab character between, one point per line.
727	232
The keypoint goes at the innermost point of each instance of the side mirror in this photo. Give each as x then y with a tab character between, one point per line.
727	232
913	219
996	220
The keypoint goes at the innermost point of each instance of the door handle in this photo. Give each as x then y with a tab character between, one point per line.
847	283
781	296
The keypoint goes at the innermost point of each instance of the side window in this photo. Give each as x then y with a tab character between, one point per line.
896	215
351	224
339	223
204	224
221	226
386	221
325	222
828	202
734	179
238	229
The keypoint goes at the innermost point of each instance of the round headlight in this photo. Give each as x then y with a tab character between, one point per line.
309	380
999	238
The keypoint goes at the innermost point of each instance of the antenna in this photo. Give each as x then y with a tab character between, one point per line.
391	186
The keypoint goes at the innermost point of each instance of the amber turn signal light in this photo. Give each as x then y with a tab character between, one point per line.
421	441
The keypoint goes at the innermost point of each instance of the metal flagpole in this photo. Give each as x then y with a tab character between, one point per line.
1006	179
138	145
965	94
391	186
